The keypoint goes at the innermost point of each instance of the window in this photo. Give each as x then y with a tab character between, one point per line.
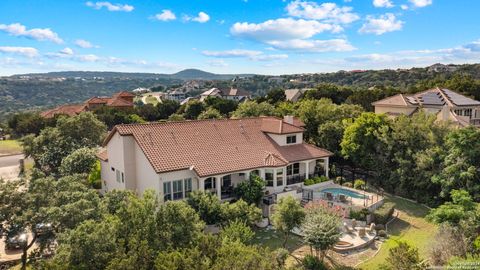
269	177
291	139
177	189
468	112
209	183
167	191
279	177
117	175
123	178
458	112
293	169
188	186
227	181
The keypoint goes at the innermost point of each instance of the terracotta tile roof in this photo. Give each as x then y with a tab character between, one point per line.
234	92
123	94
97	100
102	155
279	126
70	110
119	102
212	147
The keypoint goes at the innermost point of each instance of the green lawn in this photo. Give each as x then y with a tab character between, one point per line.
8	147
151	100
411	227
273	240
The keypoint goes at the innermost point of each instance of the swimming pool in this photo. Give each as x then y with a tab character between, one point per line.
346	192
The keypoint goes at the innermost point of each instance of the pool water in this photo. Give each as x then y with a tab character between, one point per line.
346	192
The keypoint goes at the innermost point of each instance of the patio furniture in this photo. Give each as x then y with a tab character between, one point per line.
342	198
347	229
361	232
354	223
329	196
371	229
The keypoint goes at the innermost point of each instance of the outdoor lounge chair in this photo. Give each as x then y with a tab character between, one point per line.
346	228
371	229
342	198
329	196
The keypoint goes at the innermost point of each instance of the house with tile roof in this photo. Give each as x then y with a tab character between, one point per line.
121	100
446	104
229	93
294	95
176	158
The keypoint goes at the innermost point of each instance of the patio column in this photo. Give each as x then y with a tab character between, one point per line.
247	175
325	166
307	169
218	186
284	176
274	178
201	184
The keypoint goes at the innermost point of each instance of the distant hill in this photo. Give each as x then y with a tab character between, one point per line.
187	74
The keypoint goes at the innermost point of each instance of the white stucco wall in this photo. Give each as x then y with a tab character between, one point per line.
281	139
115	151
145	176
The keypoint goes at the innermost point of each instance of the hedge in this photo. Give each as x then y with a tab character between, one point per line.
383	213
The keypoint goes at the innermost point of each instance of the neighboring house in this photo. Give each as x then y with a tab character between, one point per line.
294	95
176	95
446	104
231	94
176	158
141	90
122	100
185	101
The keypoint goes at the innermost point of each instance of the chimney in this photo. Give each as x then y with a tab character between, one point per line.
288	119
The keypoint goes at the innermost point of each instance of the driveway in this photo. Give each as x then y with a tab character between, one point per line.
13	254
10	167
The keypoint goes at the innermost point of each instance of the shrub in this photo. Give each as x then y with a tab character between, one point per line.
382	233
310	262
308	182
359	184
359	215
347	184
94	178
251	191
237	230
207	205
383	214
321	179
379	227
339	180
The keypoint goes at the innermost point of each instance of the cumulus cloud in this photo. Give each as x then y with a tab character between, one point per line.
202	17
269	57
42	34
329	12
231	53
383	3
23	51
282	29
217	63
165	15
421	3
332	45
85	44
87	58
110	7
67	51
381	25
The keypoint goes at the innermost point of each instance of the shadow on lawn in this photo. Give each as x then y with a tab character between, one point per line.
410	208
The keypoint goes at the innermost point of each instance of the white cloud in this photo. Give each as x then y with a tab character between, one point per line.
231	53
166	15
269	57
404	7
383	3
202	17
381	25
217	63
329	12
67	51
42	34
282	29
421	3
110	6
23	51
332	45
85	44
87	58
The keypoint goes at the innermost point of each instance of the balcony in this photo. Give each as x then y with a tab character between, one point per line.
300	178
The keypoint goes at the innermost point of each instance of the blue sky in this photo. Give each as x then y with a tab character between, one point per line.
235	36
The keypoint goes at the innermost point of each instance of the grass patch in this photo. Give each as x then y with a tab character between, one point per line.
411	227
272	239
8	147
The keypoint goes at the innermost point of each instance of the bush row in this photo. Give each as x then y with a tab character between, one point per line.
383	214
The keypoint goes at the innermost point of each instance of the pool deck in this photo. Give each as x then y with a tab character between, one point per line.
355	240
372	202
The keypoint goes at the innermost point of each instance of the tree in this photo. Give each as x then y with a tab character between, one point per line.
193	109
167	108
237	230
251	191
207	205
240	210
275	96
26	123
321	230
461	206
253	109
224	106
80	161
448	242
176	117
210	113
461	169
335	93
403	257
288	215
148	112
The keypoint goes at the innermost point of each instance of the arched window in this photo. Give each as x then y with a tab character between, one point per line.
209	183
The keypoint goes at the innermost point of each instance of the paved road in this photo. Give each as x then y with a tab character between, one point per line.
8	161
